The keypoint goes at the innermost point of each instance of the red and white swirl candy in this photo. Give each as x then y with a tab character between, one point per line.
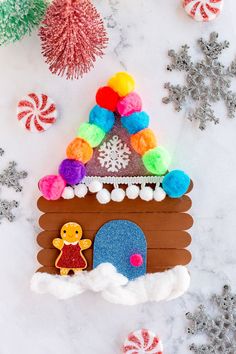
142	341
36	112
203	10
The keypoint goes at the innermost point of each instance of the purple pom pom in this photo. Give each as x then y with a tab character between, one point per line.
73	171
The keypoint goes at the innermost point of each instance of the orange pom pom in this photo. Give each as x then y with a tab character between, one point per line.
143	141
79	149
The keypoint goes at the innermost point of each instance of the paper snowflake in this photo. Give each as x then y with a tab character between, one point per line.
114	154
207	81
221	331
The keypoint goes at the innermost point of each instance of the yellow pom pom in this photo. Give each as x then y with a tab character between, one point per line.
143	141
79	149
122	83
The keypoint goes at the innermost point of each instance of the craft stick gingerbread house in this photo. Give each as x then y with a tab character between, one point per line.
115	217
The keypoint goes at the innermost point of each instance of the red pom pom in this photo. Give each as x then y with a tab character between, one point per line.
107	98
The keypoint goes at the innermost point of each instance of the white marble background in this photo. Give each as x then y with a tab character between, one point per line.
141	32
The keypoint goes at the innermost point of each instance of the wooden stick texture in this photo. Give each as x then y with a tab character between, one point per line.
155	239
91	205
147	221
164	258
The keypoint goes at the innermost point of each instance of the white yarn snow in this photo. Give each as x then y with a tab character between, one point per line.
113	286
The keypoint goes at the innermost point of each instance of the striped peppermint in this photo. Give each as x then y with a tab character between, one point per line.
203	10
36	112
142	341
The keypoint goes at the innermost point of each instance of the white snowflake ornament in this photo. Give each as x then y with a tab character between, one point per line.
114	154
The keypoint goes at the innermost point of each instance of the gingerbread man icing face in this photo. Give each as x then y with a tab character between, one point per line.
71	232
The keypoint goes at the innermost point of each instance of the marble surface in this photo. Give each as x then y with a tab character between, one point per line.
141	32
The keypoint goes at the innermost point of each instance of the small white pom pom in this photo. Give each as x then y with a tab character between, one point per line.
159	194
95	186
81	190
132	192
103	196
117	195
146	194
68	193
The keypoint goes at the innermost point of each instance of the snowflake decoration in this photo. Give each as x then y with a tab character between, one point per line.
10	177
5	209
114	154
221	330
207	81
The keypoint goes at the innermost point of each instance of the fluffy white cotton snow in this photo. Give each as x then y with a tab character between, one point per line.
113	286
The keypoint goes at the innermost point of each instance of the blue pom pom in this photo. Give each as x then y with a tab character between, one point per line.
176	183
135	122
103	118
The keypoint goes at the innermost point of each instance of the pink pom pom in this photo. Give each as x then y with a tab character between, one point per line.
136	260
52	187
129	104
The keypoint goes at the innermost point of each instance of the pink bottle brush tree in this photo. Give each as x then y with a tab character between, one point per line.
73	36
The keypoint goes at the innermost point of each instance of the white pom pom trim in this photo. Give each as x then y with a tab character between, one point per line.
95	186
68	193
118	195
146	193
81	190
103	196
159	194
132	192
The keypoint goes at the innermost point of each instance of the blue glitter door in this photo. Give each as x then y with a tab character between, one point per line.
123	244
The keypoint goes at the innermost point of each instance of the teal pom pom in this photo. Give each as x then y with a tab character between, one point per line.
103	118
135	122
19	17
176	183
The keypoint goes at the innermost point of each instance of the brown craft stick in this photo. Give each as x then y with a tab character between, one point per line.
167	257
53	270
147	221
155	257
91	205
155	239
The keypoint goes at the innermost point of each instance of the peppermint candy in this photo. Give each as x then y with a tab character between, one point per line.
36	112
203	10
142	341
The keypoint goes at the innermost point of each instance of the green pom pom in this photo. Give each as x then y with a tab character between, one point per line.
156	161
20	17
91	133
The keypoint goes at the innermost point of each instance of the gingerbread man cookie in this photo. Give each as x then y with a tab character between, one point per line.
71	247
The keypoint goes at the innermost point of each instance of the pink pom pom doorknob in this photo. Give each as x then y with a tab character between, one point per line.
136	260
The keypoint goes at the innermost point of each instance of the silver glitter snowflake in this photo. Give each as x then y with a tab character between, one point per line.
221	331
207	81
114	154
10	177
5	209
